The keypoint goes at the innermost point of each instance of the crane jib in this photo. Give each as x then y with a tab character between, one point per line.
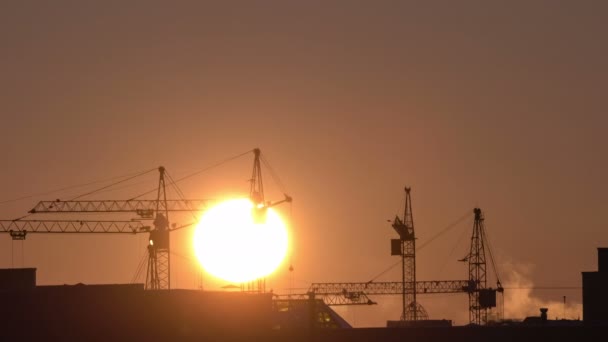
107	206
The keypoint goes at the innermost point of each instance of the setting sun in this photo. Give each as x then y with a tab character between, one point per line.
231	244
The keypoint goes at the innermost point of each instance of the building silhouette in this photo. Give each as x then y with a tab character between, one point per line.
595	291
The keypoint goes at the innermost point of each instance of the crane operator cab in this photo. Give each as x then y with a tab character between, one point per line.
159	237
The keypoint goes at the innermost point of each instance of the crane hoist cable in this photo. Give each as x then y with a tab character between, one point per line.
100	189
113	184
140	268
490	248
441	232
196	173
180	194
274	175
68	188
456	245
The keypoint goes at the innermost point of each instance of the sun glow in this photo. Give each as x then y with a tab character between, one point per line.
235	243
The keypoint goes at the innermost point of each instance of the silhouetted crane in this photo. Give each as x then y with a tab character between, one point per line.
260	206
158	275
405	247
481	297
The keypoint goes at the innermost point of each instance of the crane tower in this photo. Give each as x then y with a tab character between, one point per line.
158	275
405	246
481	298
260	206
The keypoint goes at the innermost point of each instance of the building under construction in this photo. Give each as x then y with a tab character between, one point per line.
482	296
129	312
155	311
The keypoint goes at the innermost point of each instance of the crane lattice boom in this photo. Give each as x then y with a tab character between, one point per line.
356	293
119	206
392	287
72	226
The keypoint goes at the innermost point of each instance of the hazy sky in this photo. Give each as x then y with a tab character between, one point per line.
497	105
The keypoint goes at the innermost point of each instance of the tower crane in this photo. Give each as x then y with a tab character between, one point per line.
158	275
481	297
260	206
405	246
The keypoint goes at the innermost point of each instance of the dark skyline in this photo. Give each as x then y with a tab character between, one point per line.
497	106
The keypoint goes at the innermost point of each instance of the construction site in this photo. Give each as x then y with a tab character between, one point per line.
155	309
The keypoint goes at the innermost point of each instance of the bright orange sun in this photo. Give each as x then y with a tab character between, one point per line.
231	245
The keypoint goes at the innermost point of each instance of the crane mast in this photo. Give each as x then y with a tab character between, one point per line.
260	206
482	299
405	247
256	191
256	195
158	275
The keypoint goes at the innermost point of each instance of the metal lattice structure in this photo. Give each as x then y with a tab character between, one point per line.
411	310
142	207
478	313
481	297
256	194
391	287
158	275
260	205
333	299
18	229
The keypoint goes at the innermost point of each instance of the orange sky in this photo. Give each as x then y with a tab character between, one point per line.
497	106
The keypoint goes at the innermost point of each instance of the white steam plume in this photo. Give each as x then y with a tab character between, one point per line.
520	303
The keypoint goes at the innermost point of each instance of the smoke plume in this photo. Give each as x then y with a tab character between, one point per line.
519	301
